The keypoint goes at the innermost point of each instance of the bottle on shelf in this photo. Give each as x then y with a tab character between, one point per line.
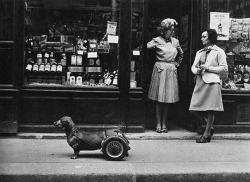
64	59
39	58
115	79
29	42
239	74
79	79
72	79
92	79
53	68
100	78
235	76
59	69
35	69
30	63
45	58
73	58
41	68
47	69
51	58
246	74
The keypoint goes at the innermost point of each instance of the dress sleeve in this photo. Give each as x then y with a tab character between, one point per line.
222	64
152	44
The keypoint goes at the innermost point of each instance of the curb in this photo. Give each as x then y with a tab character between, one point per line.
149	135
195	177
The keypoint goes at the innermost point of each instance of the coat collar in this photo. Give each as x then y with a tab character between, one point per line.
214	47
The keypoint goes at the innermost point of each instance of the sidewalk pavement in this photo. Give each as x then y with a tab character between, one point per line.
172	156
176	134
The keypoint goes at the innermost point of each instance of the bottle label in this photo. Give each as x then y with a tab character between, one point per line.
79	80
246	78
46	55
94	69
73	59
41	68
91	62
59	68
98	62
79	60
72	80
47	67
28	67
35	67
53	68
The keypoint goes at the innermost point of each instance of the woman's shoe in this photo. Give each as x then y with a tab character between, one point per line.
204	139
212	132
164	130
158	130
203	130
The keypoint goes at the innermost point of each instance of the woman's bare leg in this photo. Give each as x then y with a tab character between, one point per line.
210	121
158	110
199	116
164	115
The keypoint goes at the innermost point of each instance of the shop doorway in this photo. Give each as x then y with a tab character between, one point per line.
181	11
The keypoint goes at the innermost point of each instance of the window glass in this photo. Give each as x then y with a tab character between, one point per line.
6	20
237	47
137	41
71	43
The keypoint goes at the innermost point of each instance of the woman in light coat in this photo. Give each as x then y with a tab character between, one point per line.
209	63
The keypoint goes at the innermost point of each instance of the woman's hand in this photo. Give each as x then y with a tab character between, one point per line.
204	67
176	64
199	71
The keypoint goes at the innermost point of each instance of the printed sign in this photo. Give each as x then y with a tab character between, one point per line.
221	23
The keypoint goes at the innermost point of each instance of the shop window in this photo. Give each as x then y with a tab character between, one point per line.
237	46
6	20
137	42
71	43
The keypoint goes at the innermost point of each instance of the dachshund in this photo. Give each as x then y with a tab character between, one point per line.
80	140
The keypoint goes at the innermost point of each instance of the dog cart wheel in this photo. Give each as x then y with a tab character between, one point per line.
114	149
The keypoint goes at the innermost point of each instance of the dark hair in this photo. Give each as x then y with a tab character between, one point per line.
212	35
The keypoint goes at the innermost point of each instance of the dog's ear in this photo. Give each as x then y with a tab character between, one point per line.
64	123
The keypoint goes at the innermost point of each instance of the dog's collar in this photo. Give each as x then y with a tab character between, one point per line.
73	132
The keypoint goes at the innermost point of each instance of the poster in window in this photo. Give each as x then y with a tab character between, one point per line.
220	22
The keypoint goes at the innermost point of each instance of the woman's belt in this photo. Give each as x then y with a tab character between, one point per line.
159	68
158	61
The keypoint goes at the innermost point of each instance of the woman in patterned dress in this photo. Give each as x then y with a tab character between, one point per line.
209	63
164	84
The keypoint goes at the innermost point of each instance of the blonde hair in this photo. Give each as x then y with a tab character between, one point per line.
166	24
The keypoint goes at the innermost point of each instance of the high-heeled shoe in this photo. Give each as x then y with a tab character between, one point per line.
158	130
164	130
204	139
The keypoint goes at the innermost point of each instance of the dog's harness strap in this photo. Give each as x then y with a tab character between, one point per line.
73	132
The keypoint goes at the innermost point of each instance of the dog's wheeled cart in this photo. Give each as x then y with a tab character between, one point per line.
115	145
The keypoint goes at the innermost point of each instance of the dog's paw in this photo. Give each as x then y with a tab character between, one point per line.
73	157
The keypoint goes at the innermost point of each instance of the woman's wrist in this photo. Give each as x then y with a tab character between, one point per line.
207	69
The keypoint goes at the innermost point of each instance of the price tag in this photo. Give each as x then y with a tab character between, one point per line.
92	54
111	27
80	52
112	39
136	53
